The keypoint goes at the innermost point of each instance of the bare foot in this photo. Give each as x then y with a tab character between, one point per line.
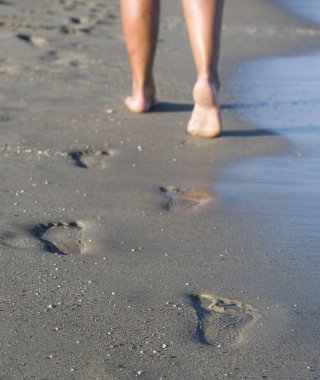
205	120
142	99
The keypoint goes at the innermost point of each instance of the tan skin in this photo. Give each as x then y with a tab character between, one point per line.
141	25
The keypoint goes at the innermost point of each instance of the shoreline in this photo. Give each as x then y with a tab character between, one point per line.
278	192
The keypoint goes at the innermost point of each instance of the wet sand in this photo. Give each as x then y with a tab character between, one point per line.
121	256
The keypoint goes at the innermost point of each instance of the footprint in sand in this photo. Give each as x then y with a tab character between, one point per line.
62	238
90	158
221	320
71	29
68	4
78	25
183	199
33	40
50	56
80	20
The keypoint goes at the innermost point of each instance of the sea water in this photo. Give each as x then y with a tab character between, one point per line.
309	9
282	95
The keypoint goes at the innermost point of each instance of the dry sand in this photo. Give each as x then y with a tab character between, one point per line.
154	275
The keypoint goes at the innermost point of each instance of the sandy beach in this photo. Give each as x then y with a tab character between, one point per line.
129	249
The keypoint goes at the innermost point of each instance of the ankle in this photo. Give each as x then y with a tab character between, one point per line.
210	78
143	86
205	92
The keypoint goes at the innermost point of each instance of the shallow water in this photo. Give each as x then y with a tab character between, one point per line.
281	95
309	9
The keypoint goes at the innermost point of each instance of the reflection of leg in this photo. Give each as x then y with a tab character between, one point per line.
140	20
203	18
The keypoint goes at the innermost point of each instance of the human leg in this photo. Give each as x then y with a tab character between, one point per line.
204	18
140	20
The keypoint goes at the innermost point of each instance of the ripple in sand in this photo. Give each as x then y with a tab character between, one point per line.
221	320
61	238
90	158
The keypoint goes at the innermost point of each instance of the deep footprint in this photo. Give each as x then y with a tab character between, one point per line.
90	158
61	238
182	199
221	320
